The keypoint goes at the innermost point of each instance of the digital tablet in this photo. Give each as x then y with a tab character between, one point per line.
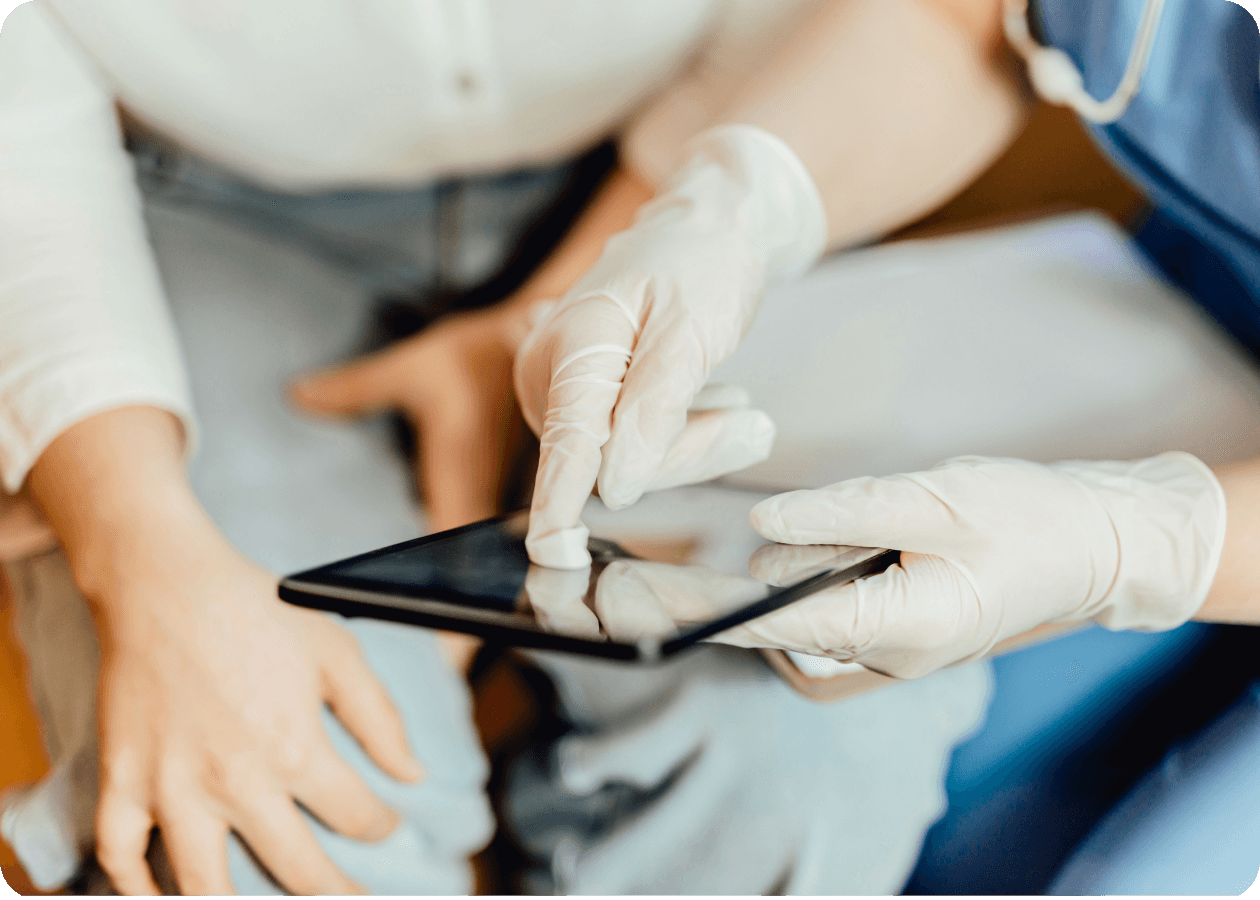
657	586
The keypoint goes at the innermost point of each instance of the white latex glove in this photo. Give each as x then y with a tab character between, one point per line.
637	598
991	548
558	598
610	377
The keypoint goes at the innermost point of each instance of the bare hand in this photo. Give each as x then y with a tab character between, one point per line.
454	383
210	698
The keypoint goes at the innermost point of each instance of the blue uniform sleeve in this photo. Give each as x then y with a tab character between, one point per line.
1190	140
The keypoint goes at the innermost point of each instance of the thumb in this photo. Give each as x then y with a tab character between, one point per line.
782	565
715	442
363	386
900	512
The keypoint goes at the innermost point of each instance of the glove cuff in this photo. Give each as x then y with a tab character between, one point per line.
1168	513
765	187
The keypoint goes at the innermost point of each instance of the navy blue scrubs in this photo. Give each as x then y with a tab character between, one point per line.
1190	140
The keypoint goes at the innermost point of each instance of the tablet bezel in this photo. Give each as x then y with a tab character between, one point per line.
323	589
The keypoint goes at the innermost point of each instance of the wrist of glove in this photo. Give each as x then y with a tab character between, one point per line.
992	548
744	179
611	375
1167	514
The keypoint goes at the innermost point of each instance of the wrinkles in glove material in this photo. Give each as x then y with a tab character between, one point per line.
610	376
992	548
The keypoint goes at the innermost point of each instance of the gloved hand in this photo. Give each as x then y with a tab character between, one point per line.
610	377
636	598
992	548
558	598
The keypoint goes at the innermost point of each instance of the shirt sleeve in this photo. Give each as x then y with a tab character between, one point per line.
84	325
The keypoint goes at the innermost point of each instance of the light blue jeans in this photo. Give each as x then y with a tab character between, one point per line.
708	775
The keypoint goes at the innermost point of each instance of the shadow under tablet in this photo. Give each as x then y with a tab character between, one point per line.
642	606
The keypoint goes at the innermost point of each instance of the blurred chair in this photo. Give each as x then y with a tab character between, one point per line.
22	756
1074	724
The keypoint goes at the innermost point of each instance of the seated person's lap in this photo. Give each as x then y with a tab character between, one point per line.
740	764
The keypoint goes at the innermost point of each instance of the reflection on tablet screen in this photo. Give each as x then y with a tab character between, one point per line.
654	592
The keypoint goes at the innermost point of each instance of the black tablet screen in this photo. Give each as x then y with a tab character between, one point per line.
675	569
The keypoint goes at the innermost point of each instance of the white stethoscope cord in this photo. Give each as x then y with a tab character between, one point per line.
1057	80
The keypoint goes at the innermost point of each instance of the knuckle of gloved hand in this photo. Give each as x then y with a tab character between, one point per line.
900	661
919	657
926	633
931	641
610	313
596	368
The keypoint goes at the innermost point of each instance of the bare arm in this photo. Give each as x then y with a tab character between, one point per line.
454	380
1235	595
109	486
210	688
894	106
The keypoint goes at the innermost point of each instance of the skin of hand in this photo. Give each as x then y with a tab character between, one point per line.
448	380
608	378
453	382
210	687
1235	595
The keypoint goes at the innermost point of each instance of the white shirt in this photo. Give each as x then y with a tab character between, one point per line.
296	95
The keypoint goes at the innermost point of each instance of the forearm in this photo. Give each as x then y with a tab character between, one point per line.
1235	594
83	321
113	489
893	106
610	211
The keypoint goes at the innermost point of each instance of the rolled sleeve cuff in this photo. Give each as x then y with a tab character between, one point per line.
33	415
